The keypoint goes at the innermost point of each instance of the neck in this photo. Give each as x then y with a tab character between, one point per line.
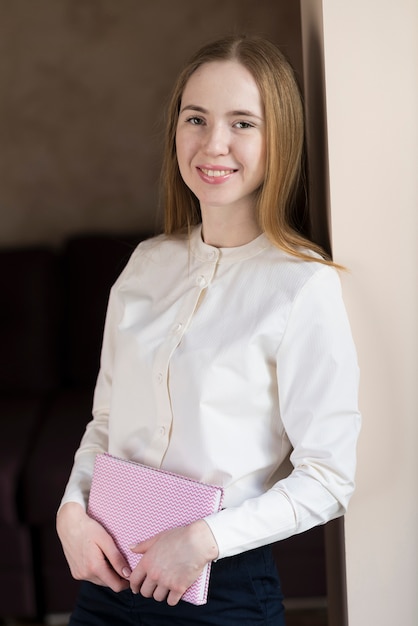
223	231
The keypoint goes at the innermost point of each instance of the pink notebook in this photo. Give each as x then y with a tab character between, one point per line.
134	502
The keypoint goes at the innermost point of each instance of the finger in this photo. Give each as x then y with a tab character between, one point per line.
142	546
136	580
174	597
160	593
100	572
115	558
109	578
103	573
148	587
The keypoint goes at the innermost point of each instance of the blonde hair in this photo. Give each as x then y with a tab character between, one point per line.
276	200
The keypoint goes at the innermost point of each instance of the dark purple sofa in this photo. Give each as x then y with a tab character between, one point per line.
52	307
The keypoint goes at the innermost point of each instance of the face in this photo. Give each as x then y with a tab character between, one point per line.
220	138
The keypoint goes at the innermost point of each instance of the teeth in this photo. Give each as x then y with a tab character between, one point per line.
216	173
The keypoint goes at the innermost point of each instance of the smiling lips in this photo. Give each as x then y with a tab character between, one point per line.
215	175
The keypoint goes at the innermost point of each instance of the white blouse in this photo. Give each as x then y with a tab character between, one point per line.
236	367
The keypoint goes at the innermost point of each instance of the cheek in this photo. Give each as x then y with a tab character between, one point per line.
183	148
263	164
179	153
263	157
177	144
183	157
258	157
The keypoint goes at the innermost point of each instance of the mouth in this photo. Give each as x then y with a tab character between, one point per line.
216	173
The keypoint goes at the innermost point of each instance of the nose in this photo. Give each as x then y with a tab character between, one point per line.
216	140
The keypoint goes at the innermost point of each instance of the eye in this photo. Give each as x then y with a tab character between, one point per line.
243	125
195	120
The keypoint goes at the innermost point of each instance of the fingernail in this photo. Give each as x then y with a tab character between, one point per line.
132	546
126	572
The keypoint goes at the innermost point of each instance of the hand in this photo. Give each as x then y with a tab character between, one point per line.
90	551
172	561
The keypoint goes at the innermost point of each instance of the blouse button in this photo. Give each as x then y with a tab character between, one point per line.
160	377
201	281
162	431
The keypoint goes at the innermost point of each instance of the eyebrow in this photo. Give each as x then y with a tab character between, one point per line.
239	112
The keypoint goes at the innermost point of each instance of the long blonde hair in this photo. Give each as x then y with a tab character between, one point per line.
276	200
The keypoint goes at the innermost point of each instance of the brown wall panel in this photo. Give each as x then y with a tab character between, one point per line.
83	86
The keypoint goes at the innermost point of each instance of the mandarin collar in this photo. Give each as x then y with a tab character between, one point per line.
205	252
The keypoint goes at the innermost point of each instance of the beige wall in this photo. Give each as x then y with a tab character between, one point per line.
371	56
83	85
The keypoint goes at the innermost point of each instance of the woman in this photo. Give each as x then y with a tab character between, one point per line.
227	353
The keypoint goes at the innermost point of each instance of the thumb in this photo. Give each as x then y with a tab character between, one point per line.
142	546
115	558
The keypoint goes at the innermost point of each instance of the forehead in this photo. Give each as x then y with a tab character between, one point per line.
223	82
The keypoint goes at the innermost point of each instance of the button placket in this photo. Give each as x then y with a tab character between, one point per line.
184	315
206	271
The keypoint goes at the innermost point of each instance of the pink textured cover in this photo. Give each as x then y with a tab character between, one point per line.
134	502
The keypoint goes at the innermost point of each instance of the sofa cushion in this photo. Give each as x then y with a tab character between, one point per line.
20	419
29	312
57	588
51	457
17	584
91	264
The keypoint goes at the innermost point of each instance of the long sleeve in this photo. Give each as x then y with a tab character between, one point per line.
317	376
